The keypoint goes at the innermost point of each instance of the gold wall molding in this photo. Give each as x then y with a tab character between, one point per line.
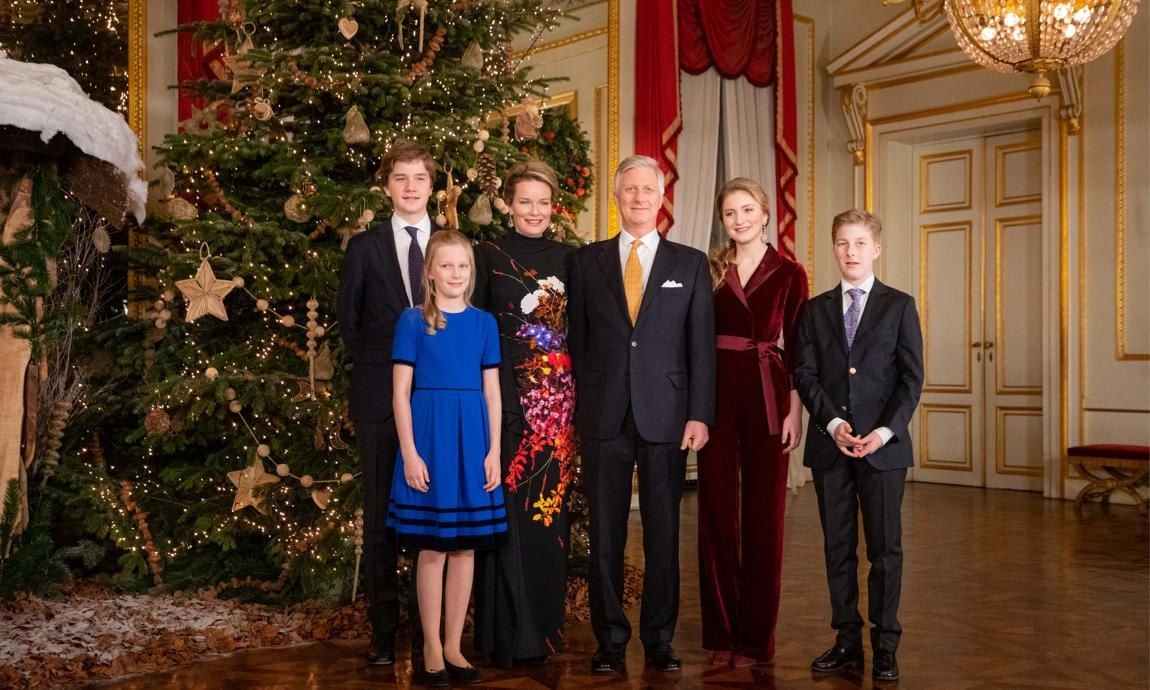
810	76
606	182
925	231
1000	154
999	332
924	163
1000	464
138	72
1124	354
924	424
561	42
854	105
602	193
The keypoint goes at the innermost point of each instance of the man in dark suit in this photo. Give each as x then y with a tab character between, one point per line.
382	275
859	374
642	342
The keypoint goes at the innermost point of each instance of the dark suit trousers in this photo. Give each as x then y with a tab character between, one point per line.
378	445
608	467
842	489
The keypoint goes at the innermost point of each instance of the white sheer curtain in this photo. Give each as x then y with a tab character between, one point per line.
698	159
728	131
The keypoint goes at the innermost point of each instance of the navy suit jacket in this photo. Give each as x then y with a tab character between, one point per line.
877	382
663	368
371	298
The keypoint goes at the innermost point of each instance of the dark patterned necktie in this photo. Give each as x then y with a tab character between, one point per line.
415	266
851	317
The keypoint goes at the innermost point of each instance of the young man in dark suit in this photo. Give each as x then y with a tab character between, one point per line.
859	373
642	342
382	275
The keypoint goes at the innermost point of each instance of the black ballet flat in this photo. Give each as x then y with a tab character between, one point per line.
435	679
462	674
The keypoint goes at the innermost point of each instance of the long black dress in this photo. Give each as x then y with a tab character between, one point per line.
520	588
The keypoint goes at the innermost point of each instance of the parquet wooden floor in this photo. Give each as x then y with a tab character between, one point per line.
1000	590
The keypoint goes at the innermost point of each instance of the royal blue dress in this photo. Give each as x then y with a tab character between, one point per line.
452	435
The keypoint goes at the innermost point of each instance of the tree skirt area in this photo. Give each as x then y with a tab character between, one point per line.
93	633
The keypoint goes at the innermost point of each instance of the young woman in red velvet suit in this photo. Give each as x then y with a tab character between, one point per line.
743	470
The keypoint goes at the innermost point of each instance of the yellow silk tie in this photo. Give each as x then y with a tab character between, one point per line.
633	281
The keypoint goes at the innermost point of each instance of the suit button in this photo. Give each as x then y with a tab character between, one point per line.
635	344
853	371
843	408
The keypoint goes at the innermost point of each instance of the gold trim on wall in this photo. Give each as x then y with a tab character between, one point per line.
924	413
1120	204
923	76
601	193
924	302
1000	466
1000	154
138	73
810	262
1064	287
924	164
613	110
561	42
999	331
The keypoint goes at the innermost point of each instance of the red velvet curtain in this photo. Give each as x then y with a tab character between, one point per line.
657	117
736	37
786	130
194	57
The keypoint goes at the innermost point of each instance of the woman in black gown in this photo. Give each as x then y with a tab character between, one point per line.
520	589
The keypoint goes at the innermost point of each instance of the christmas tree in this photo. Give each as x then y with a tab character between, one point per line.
226	455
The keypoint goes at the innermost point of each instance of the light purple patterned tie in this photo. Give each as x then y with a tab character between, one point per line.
415	267
851	317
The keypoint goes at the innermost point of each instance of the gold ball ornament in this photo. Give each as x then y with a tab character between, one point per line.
478	146
165	314
238	281
441	220
262	304
287	320
235	406
263	450
306	481
211	373
283	469
472	173
159	304
180	209
441	196
168	295
295	209
346	478
230	394
161	323
484	135
319	331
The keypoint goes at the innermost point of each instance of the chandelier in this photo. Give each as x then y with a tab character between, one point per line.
1034	36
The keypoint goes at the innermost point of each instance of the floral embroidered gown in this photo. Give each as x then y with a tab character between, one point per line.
520	588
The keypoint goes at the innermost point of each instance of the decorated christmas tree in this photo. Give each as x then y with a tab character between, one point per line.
227	456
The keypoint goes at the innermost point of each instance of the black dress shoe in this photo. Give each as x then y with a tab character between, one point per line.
838	659
462	674
885	666
381	650
663	657
435	679
608	658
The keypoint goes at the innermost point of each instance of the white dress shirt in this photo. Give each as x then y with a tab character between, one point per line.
866	286
650	244
403	245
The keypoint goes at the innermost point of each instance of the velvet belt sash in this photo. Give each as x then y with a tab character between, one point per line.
770	357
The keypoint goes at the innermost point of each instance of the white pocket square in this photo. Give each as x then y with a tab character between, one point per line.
671	284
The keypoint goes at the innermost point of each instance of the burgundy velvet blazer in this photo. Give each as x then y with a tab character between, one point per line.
756	330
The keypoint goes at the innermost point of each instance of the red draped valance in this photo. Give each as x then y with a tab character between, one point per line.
657	121
736	37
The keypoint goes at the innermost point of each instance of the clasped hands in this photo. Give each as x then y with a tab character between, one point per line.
855	446
417	477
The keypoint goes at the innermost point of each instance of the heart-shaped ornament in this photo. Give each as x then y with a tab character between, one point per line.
348	26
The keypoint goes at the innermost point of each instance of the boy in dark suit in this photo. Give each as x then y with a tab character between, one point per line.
859	374
381	276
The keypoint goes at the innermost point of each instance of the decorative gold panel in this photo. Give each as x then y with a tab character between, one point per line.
962	415
1032	449
1003	175
944	196
1004	290
138	72
602	192
945	362
1124	352
606	183
810	171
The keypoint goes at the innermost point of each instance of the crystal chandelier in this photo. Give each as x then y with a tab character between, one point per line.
1035	36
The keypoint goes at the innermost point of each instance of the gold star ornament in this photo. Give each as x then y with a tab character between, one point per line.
246	481
205	293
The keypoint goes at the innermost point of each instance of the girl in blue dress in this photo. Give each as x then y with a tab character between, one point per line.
447	502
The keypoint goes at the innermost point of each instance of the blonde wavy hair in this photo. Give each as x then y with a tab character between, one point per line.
432	314
721	258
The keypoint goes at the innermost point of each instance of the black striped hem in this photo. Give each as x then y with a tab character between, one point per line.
427	542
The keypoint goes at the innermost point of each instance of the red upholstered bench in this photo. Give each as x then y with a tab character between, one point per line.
1126	465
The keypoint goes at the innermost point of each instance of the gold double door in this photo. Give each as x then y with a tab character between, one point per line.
979	245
